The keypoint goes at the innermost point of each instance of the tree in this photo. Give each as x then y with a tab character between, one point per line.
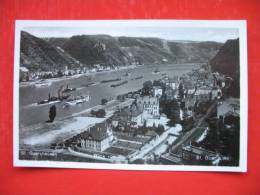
210	96
121	98
182	105
101	113
160	129
147	87
93	112
145	123
181	91
27	77
52	113
172	110
104	101
187	124
158	83
175	111
232	120
59	73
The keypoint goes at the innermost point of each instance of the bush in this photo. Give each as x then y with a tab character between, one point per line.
99	113
104	101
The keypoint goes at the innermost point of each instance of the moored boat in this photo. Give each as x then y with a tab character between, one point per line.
140	77
76	100
110	80
119	84
90	84
53	99
156	71
68	89
43	83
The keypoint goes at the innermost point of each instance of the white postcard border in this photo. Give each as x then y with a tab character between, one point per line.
239	24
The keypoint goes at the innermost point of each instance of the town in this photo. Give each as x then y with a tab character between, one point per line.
37	76
185	120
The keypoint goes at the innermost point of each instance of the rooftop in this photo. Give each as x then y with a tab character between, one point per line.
96	133
229	106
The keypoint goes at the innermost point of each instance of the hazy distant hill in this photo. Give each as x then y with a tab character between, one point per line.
47	53
227	62
194	51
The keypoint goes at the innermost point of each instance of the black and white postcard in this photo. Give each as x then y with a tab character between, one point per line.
131	94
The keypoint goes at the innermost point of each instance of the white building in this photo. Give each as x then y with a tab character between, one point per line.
216	93
97	138
173	82
157	91
149	107
66	72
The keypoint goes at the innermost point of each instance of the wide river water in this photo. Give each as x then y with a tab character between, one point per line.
30	113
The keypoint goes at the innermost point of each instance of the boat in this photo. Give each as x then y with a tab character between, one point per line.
76	100
90	84
47	102
42	83
68	90
140	77
119	84
53	99
111	80
156	71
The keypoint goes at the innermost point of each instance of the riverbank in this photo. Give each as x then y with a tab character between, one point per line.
51	80
44	134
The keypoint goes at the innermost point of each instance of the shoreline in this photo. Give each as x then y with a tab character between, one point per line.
57	79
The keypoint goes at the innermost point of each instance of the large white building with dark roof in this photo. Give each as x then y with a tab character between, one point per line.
97	138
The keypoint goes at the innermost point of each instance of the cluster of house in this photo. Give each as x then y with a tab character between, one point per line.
143	109
195	88
147	107
26	75
100	136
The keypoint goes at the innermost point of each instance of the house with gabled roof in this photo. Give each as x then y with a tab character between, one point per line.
97	138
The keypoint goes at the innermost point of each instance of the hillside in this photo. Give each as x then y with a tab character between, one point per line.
52	53
194	51
37	54
227	62
97	49
91	49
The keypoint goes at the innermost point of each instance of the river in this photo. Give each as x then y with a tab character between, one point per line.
30	113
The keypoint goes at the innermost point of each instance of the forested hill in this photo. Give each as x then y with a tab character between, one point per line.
38	54
50	53
227	62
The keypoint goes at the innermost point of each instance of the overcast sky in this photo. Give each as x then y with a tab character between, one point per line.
169	33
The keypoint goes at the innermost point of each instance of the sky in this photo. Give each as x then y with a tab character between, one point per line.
164	32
